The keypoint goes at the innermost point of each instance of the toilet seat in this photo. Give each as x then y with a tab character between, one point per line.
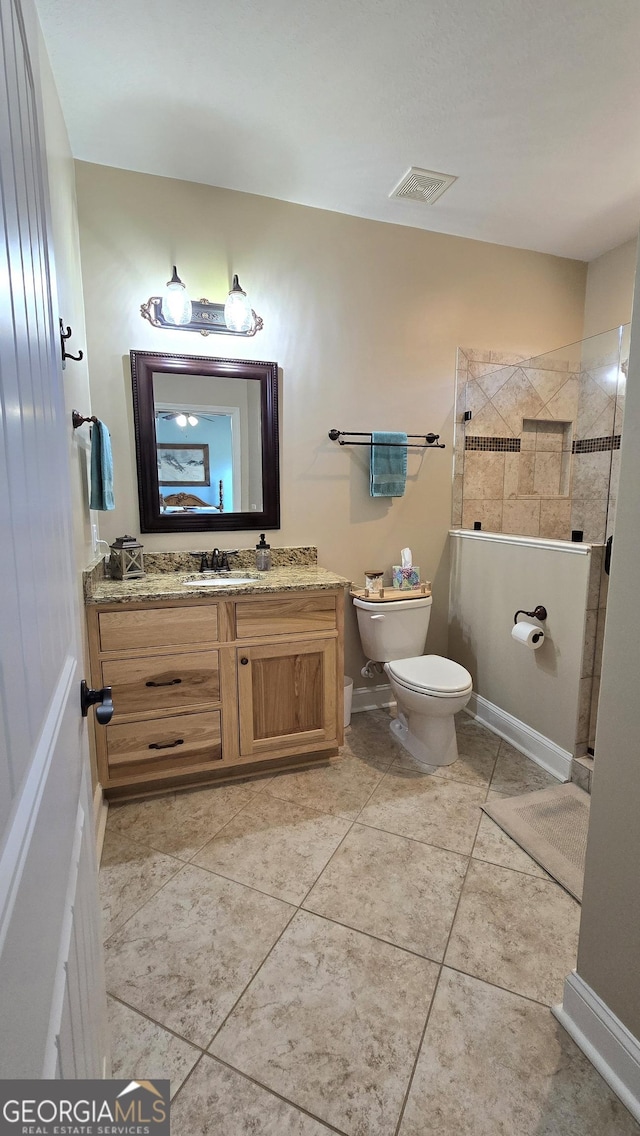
432	675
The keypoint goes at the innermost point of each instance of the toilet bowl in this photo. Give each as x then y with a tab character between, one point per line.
429	689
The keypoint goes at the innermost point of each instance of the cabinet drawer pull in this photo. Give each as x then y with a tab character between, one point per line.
244	660
170	682
166	745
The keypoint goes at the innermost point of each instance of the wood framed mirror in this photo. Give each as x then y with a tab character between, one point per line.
207	449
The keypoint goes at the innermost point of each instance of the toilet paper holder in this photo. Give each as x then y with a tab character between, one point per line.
538	612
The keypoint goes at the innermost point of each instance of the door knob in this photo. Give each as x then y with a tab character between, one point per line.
607	555
244	660
100	698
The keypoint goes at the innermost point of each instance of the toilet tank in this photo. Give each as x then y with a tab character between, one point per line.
394	630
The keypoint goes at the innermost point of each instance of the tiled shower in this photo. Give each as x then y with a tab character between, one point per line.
537	450
537	440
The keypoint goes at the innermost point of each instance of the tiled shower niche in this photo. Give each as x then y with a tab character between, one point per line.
537	440
544	467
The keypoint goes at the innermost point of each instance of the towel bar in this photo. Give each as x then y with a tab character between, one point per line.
79	419
430	440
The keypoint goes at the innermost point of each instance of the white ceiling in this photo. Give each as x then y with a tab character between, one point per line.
533	104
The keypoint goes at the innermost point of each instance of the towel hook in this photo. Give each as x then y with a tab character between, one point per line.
64	335
538	612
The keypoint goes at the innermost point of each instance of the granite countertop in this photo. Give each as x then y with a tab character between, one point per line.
170	586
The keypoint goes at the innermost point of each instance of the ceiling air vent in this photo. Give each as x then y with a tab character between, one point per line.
422	185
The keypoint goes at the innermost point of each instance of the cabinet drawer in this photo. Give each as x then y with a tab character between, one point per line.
158	627
171	744
290	615
162	682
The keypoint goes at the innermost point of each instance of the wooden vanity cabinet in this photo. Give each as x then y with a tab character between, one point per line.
212	689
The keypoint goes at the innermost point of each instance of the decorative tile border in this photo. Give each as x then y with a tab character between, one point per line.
595	445
510	445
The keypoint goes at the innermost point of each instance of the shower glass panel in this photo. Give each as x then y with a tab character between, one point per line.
537	440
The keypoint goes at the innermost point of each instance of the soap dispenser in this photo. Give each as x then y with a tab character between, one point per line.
263	555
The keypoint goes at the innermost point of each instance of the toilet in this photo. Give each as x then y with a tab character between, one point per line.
429	689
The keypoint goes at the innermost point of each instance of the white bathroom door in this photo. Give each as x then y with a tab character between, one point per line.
52	1019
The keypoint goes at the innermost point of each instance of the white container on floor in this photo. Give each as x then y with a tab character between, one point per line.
348	695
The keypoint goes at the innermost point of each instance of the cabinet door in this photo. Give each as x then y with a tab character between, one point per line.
287	695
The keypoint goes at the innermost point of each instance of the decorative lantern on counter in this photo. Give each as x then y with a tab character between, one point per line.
126	561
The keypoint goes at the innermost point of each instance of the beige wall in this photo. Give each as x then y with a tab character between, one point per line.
609	295
490	581
364	320
610	930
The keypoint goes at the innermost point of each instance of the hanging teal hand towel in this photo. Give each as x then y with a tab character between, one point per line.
101	468
388	463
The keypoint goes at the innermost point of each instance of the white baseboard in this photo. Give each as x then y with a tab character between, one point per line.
540	749
602	1037
372	698
100	811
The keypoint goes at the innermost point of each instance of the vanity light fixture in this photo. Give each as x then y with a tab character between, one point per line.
238	315
176	305
175	310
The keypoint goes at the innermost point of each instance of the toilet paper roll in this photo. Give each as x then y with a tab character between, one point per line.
529	634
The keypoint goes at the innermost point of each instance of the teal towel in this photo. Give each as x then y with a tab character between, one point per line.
101	468
388	463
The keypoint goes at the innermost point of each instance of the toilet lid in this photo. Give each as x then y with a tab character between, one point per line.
431	673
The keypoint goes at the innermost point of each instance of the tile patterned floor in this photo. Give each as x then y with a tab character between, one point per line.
354	949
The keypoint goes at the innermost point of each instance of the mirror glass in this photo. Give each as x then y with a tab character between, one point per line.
206	442
209	441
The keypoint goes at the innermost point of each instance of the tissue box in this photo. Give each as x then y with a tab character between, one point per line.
405	578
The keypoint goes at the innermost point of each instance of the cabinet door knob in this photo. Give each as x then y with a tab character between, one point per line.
244	660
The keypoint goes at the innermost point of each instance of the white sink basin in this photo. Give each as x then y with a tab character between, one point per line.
220	581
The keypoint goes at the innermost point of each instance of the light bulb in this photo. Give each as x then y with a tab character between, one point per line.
181	420
237	309
176	305
192	420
